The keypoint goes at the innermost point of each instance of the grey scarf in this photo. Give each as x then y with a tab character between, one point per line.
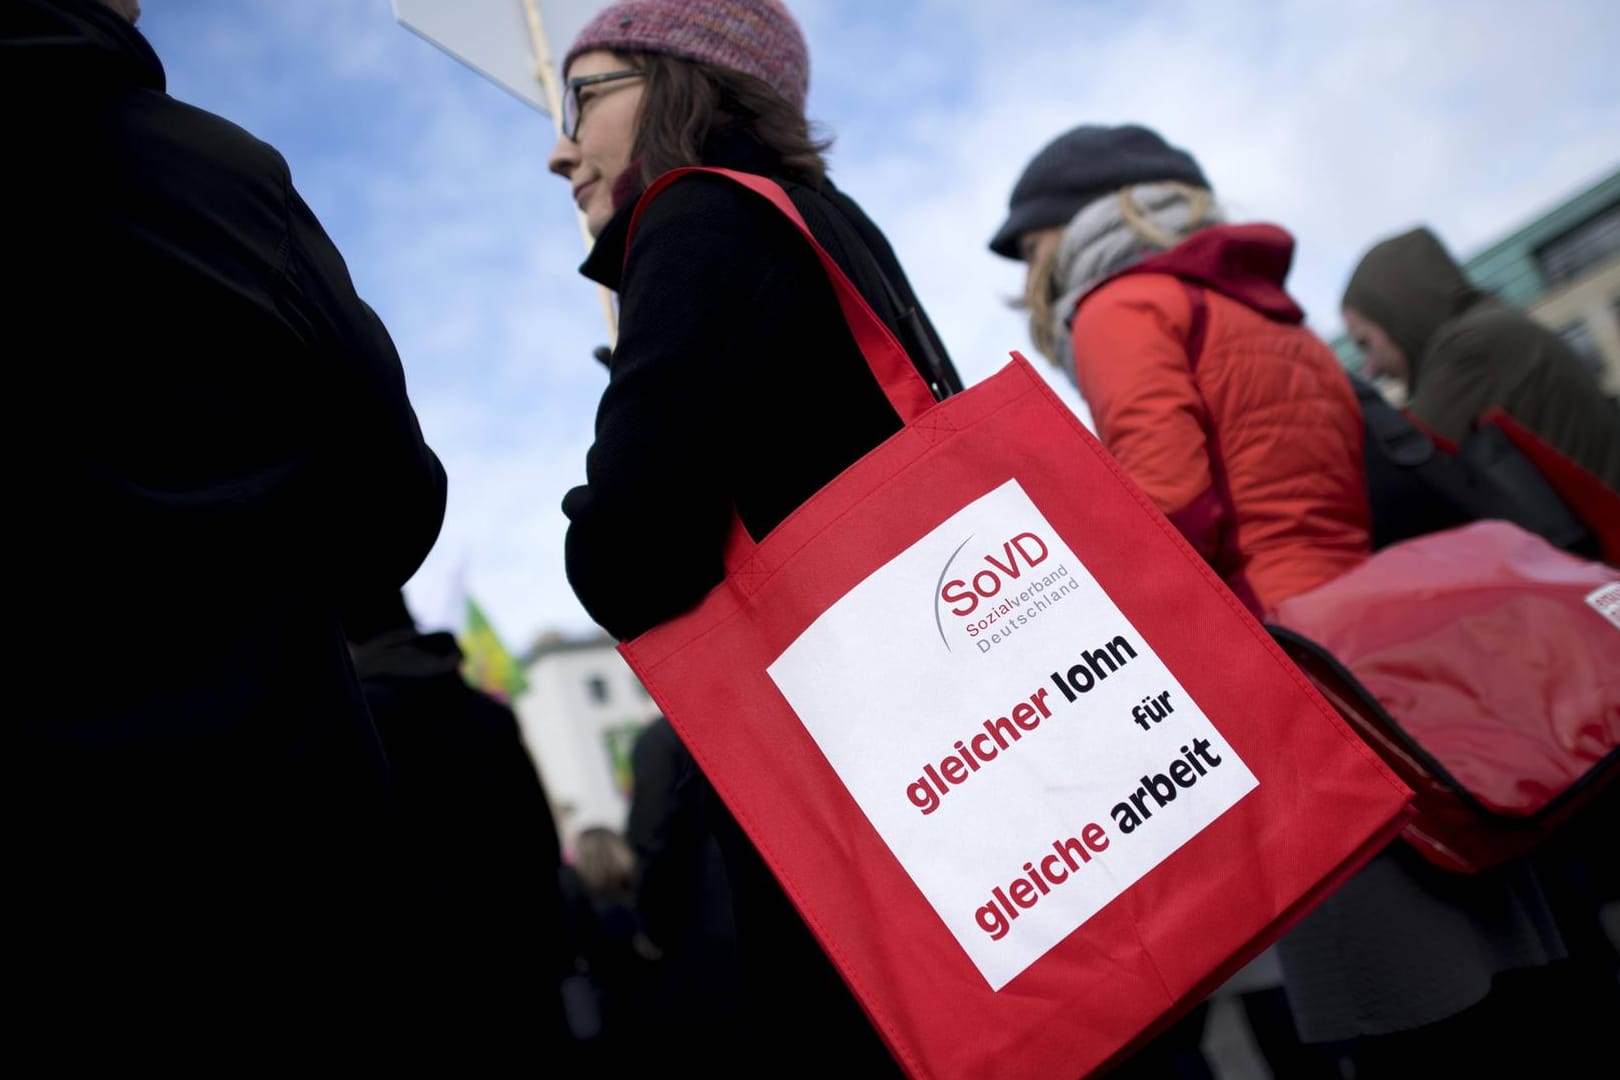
1098	242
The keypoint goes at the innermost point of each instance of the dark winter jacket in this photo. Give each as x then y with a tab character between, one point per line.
682	895
213	441
1469	351
486	946
734	382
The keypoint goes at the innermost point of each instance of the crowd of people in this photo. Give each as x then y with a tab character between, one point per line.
315	838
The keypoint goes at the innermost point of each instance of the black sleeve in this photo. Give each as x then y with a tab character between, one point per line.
706	269
384	489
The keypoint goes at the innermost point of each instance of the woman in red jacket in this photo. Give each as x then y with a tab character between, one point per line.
1201	377
1203	382
1241	425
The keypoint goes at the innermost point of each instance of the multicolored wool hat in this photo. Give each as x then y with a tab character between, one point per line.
756	37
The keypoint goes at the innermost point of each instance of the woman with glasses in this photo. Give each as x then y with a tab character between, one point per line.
734	386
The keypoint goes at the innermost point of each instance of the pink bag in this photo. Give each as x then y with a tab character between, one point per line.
1484	665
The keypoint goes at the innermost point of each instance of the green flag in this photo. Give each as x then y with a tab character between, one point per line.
486	663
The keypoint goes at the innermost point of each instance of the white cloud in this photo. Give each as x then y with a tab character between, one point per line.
1344	123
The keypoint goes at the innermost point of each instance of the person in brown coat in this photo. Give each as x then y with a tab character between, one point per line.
1461	351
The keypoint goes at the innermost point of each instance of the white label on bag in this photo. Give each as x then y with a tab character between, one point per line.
1605	600
1014	739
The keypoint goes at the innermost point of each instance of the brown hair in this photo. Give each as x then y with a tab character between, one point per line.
686	101
1039	296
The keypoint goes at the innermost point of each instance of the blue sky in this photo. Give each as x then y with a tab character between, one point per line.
1343	123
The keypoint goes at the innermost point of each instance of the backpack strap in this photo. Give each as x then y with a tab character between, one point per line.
1398	439
1199	327
1226	559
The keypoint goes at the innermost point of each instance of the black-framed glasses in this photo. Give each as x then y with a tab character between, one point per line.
573	108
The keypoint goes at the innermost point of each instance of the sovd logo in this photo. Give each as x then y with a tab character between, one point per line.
985	578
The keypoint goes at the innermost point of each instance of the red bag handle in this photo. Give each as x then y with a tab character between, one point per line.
903	386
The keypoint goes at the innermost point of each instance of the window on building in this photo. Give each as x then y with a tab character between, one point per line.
1578	336
1583	247
597	687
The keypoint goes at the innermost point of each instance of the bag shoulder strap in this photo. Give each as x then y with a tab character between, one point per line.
930	352
1198	329
1391	433
908	393
904	314
1225	558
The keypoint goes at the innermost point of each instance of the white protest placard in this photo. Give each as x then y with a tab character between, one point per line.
1015	739
511	43
496	38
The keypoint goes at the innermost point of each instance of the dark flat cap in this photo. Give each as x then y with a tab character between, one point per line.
1083	165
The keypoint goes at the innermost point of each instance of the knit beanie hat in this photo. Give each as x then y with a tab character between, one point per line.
755	37
1081	166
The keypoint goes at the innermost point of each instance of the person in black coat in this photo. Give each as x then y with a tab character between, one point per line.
484	946
214	442
734	384
684	901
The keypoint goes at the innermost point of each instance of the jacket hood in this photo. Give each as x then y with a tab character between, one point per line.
1409	286
54	45
1247	263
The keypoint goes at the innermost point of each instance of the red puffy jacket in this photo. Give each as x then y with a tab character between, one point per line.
1234	418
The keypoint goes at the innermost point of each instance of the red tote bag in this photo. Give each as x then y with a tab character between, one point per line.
1030	773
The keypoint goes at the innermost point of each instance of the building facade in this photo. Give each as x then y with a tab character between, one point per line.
580	716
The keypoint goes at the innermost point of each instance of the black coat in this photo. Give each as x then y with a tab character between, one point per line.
684	900
486	944
735	383
213	441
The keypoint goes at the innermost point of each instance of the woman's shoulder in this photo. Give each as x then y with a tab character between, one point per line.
1487	336
704	219
1136	286
1148	298
703	200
